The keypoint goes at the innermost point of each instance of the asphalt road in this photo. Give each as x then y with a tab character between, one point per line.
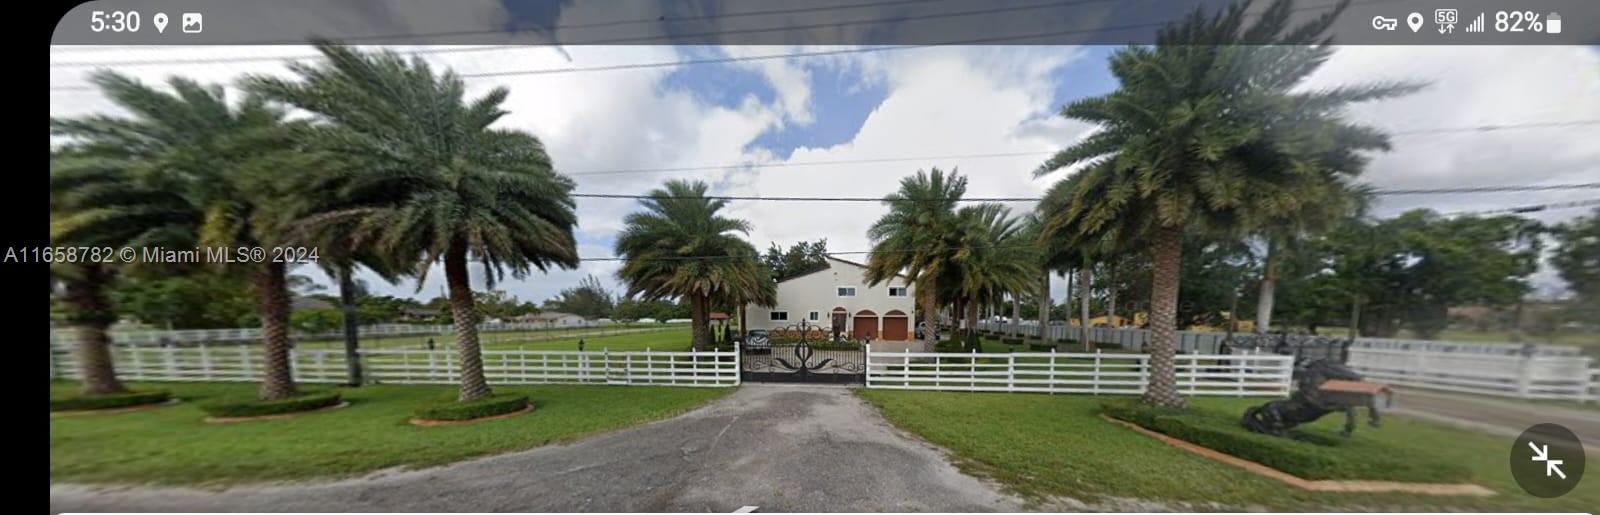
777	448
1504	417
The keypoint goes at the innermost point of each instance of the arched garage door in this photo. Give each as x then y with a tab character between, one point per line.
866	325
896	326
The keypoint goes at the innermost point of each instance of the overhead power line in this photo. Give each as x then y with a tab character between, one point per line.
634	66
847	253
622	40
1530	209
1411	191
793	164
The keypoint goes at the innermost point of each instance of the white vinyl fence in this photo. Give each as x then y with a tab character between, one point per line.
207	362
1503	369
1081	373
253	334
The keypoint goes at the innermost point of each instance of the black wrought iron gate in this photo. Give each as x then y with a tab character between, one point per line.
803	354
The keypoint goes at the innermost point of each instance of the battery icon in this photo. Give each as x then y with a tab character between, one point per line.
1552	23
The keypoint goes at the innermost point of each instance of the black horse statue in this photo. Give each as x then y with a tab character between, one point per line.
1312	399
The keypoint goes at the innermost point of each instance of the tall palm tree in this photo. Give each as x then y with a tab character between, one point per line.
217	166
97	199
423	177
915	237
1207	132
681	246
1339	201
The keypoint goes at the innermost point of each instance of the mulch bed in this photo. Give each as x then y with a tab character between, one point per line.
1324	485
110	411
436	423
278	416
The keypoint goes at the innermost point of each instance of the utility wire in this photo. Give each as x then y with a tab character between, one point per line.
624	40
792	164
1530	209
1411	191
632	66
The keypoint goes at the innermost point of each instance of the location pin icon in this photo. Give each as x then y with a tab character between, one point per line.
161	22
1414	21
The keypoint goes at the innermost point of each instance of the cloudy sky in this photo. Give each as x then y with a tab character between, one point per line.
777	127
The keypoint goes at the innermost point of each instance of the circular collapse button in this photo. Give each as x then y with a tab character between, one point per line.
1547	460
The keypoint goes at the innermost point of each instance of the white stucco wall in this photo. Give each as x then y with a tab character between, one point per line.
818	292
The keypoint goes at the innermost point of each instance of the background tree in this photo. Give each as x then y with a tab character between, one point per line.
992	257
681	246
799	259
1206	132
431	180
589	299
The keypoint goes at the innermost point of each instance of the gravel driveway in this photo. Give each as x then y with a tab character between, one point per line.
777	448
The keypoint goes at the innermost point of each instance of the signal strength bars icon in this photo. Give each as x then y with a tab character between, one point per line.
1477	24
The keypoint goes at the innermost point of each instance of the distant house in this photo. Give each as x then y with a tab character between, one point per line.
647	320
838	299
309	304
418	314
555	319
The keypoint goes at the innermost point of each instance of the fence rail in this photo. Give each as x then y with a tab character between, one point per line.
209	362
1503	369
1095	373
253	334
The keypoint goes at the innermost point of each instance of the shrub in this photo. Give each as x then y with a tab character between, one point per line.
1040	346
115	400
1011	341
253	407
1308	454
947	346
494	404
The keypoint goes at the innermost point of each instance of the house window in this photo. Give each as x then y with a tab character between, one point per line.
814	316
778	316
897	291
847	291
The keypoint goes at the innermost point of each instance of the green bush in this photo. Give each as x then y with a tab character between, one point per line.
253	407
1011	341
1308	454
115	400
1040	346
947	346
494	404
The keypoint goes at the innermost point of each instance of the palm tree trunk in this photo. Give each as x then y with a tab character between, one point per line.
1083	307
352	325
1111	297
1269	282
272	298
698	321
1166	255
1044	307
930	312
464	316
972	322
87	295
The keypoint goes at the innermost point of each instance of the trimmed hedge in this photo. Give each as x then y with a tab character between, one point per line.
253	407
1011	341
1308	454
494	404
115	400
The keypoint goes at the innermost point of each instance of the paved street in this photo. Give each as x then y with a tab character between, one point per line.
778	448
1494	415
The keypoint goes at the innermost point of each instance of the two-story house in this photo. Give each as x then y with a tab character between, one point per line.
838	299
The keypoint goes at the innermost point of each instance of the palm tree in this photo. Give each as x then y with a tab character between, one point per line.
992	256
915	237
681	246
1206	133
1339	201
98	200
217	167
423	178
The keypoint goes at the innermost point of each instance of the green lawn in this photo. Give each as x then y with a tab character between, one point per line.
171	445
1042	445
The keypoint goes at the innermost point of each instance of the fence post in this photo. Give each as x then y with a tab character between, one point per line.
205	362
1011	372
868	378
170	361
972	378
905	370
738	367
1052	371
1097	372
1524	376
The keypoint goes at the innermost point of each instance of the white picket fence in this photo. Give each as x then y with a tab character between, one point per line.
210	362
1526	377
1095	373
253	334
1503	369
